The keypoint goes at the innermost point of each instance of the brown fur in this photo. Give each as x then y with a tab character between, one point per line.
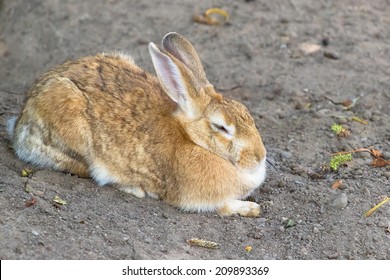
104	113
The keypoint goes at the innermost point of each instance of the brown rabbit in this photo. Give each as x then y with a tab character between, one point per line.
171	137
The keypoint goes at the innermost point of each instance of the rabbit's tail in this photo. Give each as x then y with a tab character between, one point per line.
11	122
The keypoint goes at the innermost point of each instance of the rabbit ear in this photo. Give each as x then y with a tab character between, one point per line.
177	81
182	49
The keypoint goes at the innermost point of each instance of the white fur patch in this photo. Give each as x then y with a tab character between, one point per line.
241	207
29	148
153	195
198	207
135	191
101	175
256	177
11	122
220	121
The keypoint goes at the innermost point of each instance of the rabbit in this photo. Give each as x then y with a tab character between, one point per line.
170	137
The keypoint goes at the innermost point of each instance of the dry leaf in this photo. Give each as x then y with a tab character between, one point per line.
356	119
212	16
30	202
29	189
308	48
203	243
347	102
336	185
373	209
26	172
203	19
376	153
59	200
380	162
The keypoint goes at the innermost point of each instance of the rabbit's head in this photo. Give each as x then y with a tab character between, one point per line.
220	125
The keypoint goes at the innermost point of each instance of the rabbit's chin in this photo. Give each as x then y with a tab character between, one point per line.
255	176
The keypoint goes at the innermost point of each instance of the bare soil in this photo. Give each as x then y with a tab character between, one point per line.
254	58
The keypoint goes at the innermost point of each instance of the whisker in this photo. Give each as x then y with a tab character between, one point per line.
270	163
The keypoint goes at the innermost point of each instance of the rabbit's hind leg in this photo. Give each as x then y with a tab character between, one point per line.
31	145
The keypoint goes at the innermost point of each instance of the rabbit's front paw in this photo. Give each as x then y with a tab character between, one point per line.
242	208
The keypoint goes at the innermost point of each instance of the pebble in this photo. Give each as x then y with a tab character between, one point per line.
386	174
282	184
357	172
333	256
286	154
366	191
339	201
322	113
316	230
386	155
319	226
325	41
367	161
367	115
34	232
375	118
163	249
331	54
363	154
148	240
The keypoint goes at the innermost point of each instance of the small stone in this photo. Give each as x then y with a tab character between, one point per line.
357	172
35	232
367	115
333	256
366	191
343	121
284	219
325	41
304	251
148	240
331	54
286	154
316	230
282	184
386	155
363	154
319	226
163	249
339	201
322	113
386	174
375	118
296	53
367	161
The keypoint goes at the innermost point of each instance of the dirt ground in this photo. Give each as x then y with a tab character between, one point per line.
257	58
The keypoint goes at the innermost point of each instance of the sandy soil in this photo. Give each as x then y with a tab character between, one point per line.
256	59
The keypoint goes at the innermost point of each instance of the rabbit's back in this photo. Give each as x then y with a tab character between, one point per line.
82	112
